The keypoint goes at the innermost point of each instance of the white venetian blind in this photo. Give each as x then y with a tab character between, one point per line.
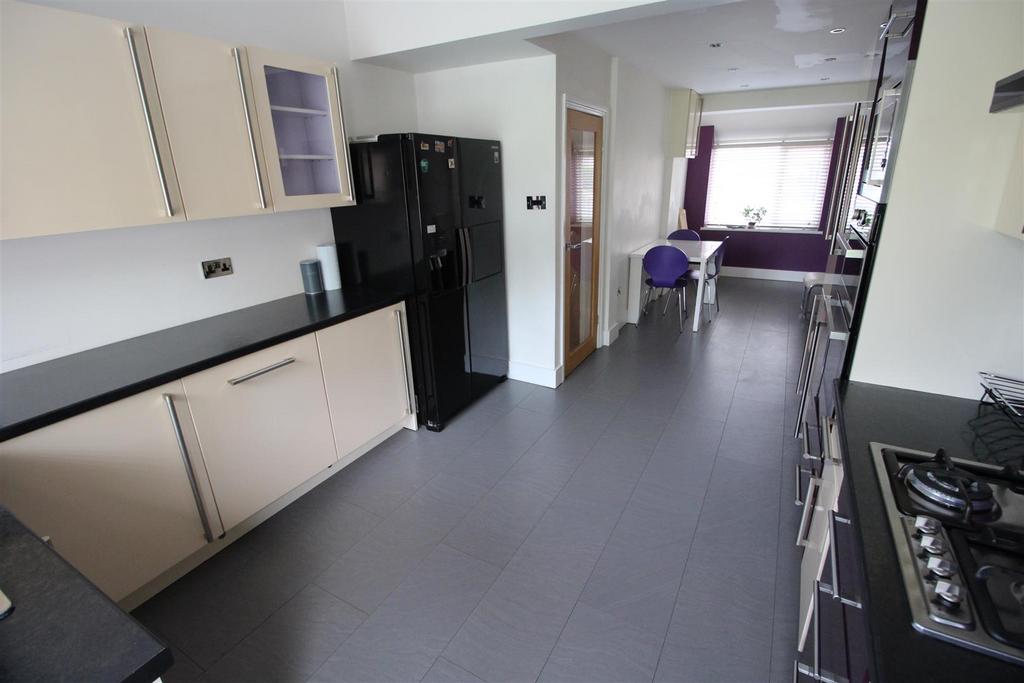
582	180
787	178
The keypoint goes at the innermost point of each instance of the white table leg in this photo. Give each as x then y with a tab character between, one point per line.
698	308
636	273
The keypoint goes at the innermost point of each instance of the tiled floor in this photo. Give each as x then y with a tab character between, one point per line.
636	524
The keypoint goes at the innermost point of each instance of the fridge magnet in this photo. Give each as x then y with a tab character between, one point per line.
424	147
439	146
424	165
497	157
451	163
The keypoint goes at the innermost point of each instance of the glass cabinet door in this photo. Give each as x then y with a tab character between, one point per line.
299	106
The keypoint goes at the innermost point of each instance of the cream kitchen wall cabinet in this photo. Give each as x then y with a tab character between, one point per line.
84	143
112	489
367	376
298	101
263	425
211	121
685	109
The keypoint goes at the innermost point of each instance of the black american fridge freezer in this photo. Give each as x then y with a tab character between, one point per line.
428	222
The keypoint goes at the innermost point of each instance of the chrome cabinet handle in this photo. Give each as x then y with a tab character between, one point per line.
344	138
237	54
189	469
149	120
837	594
262	371
405	367
805	516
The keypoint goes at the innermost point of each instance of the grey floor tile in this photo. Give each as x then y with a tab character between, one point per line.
500	522
444	671
405	635
596	647
293	643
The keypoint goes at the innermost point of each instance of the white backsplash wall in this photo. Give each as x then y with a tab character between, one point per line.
67	293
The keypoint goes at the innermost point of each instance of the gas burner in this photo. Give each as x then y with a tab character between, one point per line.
938	480
955	490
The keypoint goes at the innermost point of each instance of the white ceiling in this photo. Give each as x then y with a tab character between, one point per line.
772	44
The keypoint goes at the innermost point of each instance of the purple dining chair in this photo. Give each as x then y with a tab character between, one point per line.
691	235
668	268
714	271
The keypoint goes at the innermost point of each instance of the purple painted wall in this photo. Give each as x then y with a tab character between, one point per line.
775	250
695	199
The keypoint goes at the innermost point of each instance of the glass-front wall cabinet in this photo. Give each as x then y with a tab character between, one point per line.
305	146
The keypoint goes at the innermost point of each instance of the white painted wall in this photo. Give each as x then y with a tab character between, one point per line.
67	293
947	294
637	171
512	101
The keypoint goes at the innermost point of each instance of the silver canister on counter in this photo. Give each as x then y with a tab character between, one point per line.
312	280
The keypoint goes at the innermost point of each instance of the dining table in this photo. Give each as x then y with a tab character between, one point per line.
698	252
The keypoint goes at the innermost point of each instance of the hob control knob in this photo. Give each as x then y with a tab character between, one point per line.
949	592
926	525
941	567
933	545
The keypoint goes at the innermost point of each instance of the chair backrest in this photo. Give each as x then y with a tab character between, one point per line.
691	235
719	256
666	265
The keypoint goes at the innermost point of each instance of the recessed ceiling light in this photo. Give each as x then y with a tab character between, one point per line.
714	45
830	59
733	68
837	29
824	78
745	85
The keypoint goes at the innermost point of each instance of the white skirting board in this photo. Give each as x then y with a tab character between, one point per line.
764	273
534	374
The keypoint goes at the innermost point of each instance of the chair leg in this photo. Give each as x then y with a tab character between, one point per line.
647	300
668	300
684	298
718	295
681	300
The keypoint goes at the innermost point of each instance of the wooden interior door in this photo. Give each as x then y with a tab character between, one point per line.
582	234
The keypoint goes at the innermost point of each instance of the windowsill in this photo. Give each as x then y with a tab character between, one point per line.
738	228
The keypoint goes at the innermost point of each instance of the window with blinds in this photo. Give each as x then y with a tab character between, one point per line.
787	178
581	172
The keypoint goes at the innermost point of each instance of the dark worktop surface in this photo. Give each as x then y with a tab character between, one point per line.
62	627
39	395
924	422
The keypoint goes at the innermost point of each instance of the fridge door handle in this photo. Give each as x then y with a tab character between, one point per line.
469	258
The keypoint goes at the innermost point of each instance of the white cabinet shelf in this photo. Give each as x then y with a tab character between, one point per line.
306	157
299	111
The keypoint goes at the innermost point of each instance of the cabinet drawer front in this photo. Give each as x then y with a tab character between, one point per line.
365	375
110	489
263	425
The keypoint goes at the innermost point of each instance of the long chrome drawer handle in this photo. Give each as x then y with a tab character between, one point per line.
405	368
261	371
836	592
149	120
248	125
189	470
805	516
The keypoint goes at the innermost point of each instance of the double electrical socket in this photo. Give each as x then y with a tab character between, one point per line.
217	268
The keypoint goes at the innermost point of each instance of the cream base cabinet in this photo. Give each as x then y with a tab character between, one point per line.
84	145
206	95
263	424
366	372
111	490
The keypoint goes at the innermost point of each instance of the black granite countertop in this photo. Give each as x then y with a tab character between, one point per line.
62	627
924	422
42	394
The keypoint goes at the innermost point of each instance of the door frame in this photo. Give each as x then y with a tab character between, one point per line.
603	113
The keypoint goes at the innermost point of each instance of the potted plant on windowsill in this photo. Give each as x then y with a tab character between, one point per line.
754	215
